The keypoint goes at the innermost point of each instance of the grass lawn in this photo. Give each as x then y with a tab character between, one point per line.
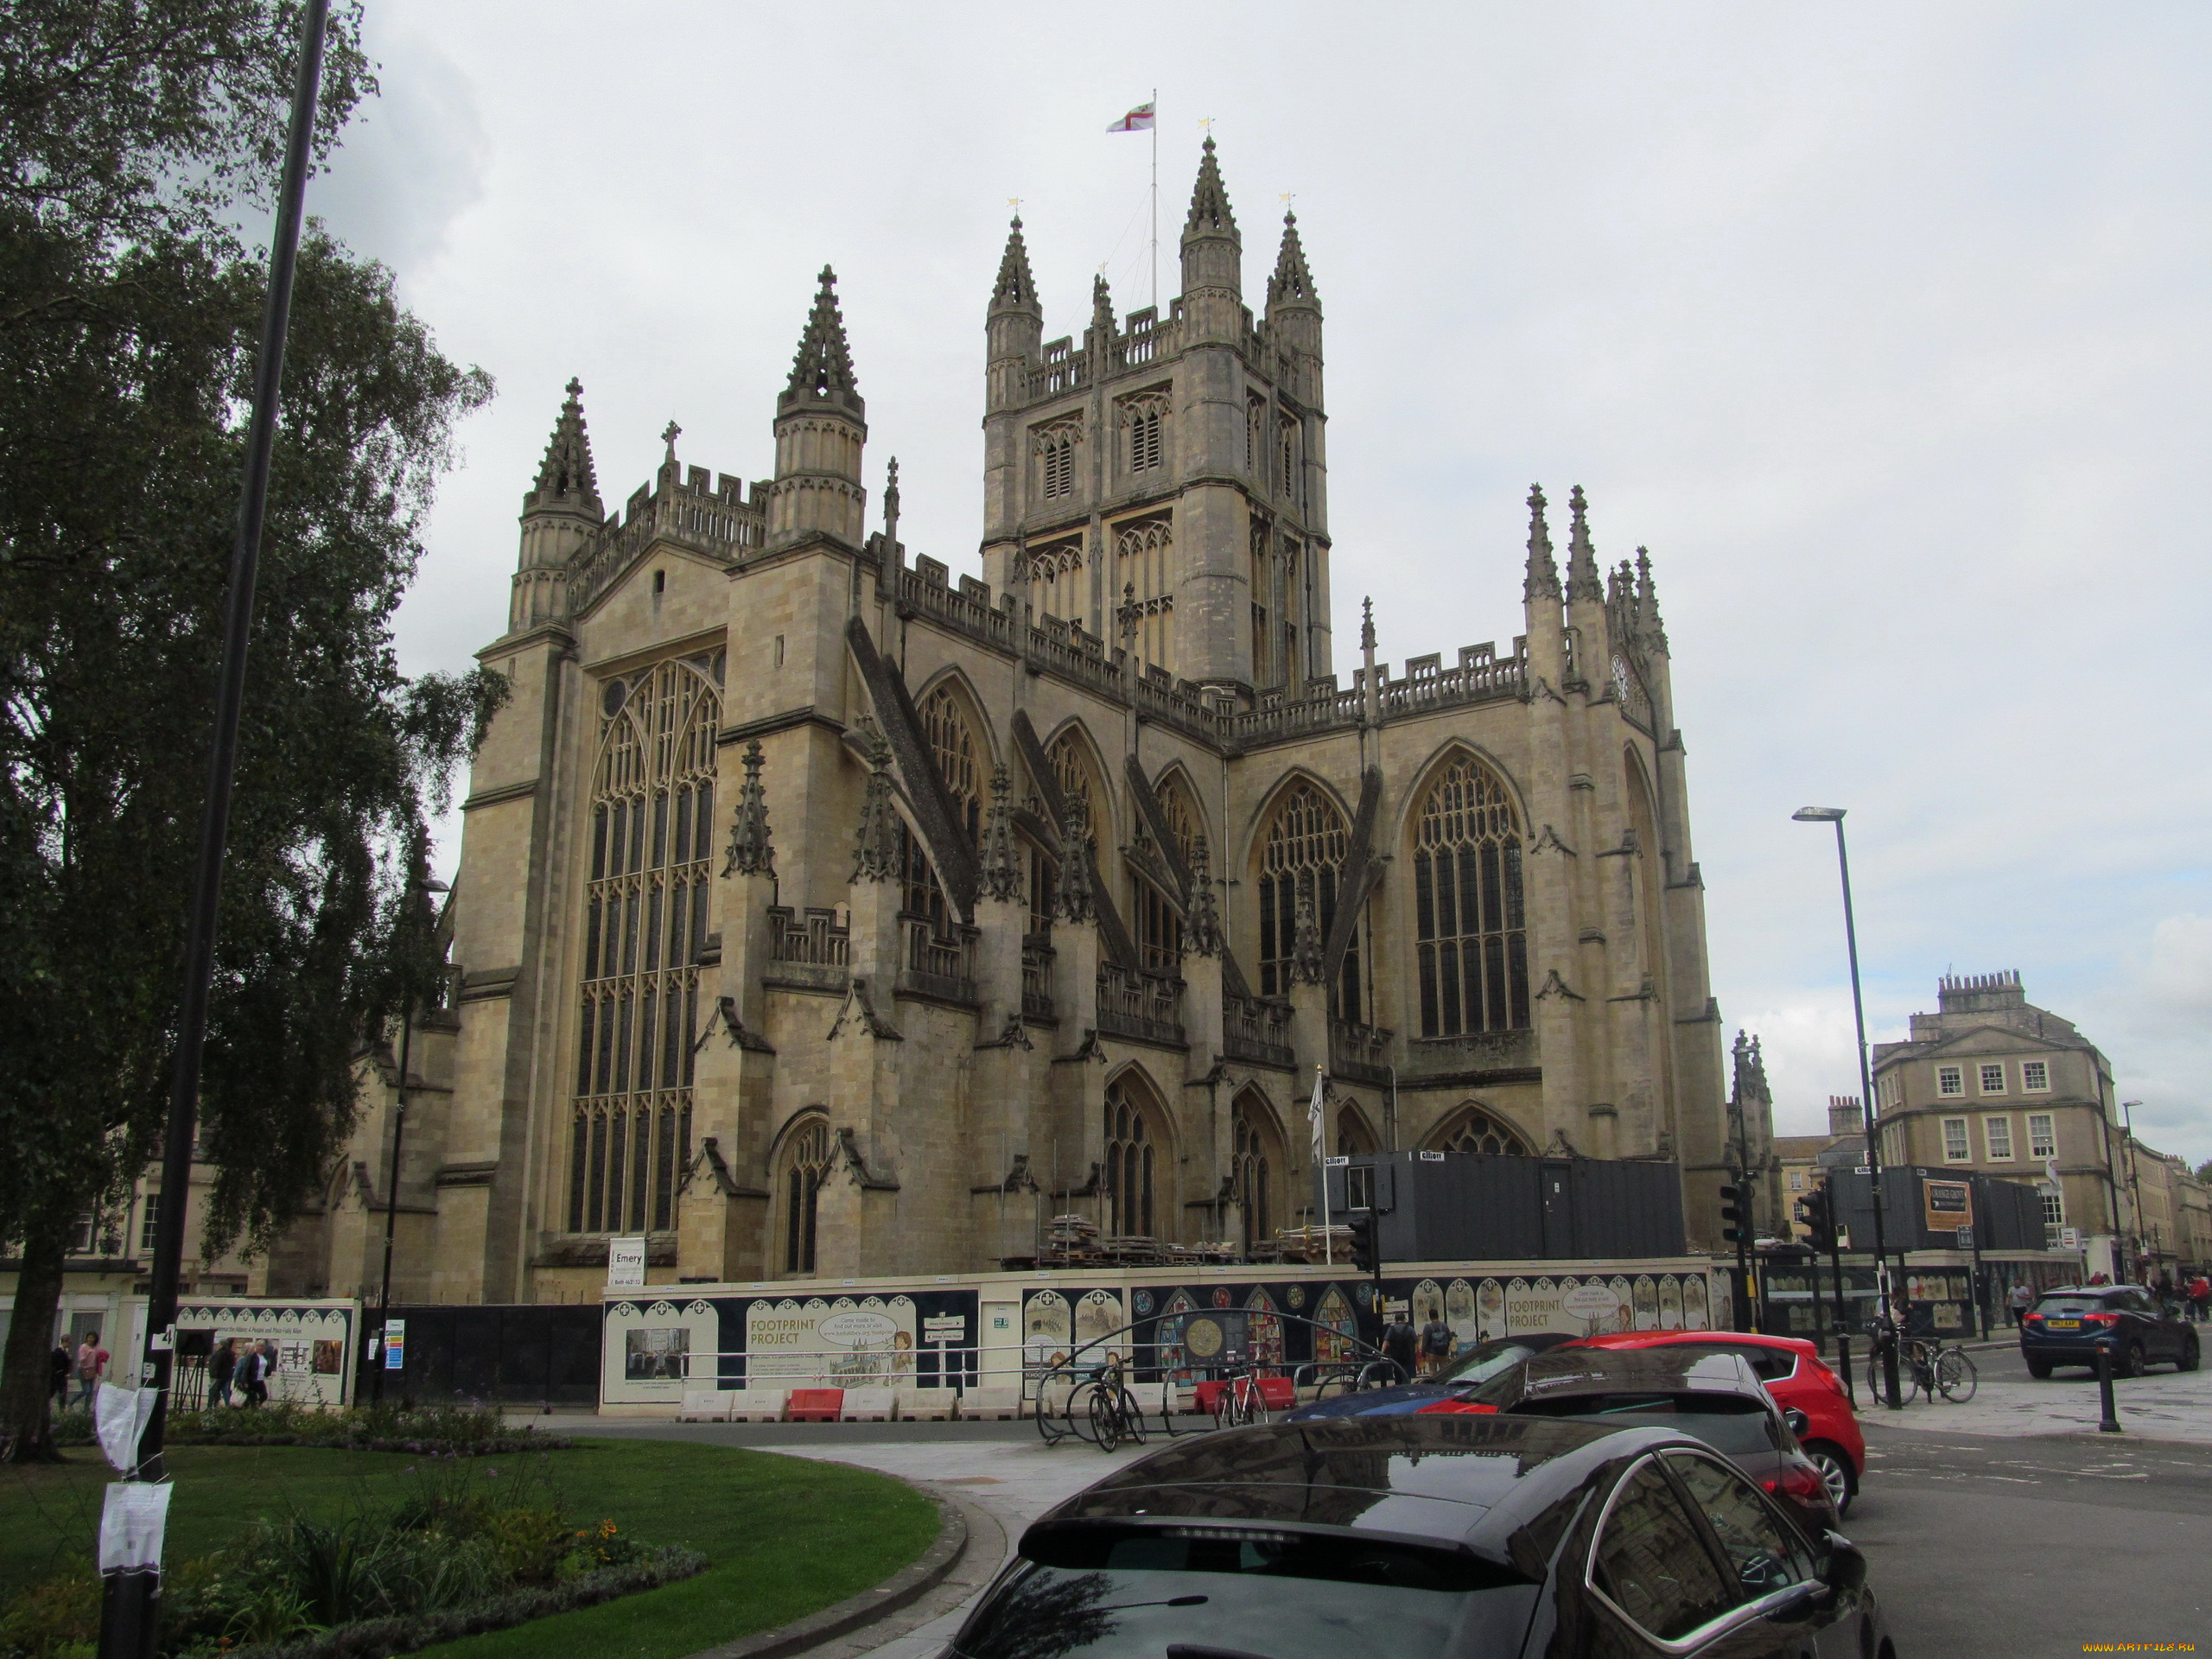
784	1536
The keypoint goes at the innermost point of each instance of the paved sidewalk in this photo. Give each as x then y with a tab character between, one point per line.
2164	1406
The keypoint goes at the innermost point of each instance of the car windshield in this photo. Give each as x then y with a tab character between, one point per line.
1143	1593
1489	1359
1729	1423
2064	1305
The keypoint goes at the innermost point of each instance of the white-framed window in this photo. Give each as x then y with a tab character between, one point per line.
2042	1136
1796	1180
150	1223
1950	1080
2054	1209
1996	1139
1957	1148
2034	1076
1992	1077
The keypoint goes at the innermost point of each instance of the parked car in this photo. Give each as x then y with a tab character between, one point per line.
1715	1396
1419	1537
2070	1325
1793	1373
1478	1364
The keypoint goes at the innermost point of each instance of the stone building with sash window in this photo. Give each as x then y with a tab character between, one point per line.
820	914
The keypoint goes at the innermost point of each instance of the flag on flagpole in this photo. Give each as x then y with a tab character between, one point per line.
1314	1112
1137	120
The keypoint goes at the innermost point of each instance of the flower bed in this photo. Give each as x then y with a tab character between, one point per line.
454	1431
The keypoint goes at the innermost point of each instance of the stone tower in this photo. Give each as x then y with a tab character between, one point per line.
1161	484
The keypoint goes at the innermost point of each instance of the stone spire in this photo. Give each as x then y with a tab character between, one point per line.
1076	900
1542	579
1213	256
1293	283
750	853
875	855
1647	603
1582	580
822	372
1016	290
1210	214
566	478
1202	927
1002	861
1102	309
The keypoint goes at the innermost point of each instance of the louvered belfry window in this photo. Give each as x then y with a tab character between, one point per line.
645	918
1471	945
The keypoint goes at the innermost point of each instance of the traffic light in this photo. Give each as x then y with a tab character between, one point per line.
1814	1211
1362	1228
1732	1216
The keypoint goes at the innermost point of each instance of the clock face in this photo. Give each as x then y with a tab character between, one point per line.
1620	678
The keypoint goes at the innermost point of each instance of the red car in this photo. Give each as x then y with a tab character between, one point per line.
1793	1373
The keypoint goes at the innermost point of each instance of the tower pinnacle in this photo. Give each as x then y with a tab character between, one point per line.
1016	290
822	372
1210	214
1293	283
565	478
1542	580
1583	582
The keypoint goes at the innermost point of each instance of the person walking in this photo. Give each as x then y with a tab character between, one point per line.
222	1366
252	1364
2200	1298
91	1362
59	1366
2019	1302
1435	1345
1400	1343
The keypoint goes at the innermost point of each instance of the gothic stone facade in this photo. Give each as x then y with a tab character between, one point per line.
818	914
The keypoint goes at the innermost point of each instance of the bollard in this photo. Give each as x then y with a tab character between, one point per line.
2111	1423
1843	1368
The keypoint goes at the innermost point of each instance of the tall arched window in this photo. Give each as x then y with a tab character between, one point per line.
1308	842
1144	580
805	1163
1058	586
1126	1179
1473	1129
1256	1162
1354	1138
1142	419
1072	771
1472	941
953	747
1184	822
645	918
1055	450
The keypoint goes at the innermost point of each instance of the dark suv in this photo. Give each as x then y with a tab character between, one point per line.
2070	1325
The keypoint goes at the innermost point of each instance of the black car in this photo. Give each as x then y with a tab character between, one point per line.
2069	1325
1478	1364
1713	1395
1436	1537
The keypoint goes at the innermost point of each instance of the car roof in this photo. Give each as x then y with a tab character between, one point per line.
2085	1290
1478	1482
1563	1373
1617	1340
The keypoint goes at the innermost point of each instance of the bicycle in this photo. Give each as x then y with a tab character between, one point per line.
1241	1402
1111	1409
1925	1366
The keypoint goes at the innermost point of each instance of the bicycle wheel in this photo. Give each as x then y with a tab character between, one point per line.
1874	1378
1104	1413
1957	1377
1131	1426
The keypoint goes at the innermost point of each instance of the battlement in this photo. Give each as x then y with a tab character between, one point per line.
719	515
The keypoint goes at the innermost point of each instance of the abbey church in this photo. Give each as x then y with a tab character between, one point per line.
821	914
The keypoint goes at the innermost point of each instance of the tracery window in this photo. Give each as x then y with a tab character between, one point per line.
806	1166
1475	1130
1126	1178
1159	931
1143	579
1141	420
1056	581
1181	812
1055	445
953	747
1472	941
1354	1138
1070	771
645	919
1306	846
1253	1166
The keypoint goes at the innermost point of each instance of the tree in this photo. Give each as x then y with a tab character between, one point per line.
128	320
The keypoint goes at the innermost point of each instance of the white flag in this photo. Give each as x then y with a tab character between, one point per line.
1314	1111
1137	120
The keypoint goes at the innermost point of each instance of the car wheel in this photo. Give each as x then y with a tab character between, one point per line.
1835	1475
2039	1370
2136	1364
2190	1358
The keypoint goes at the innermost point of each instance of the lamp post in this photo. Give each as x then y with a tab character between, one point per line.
1834	815
391	1173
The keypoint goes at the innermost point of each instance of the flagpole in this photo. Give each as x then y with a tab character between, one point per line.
1155	206
1319	1114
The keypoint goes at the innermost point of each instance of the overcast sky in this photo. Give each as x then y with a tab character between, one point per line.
1882	326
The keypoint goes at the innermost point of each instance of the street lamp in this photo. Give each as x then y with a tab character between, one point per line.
429	885
1834	815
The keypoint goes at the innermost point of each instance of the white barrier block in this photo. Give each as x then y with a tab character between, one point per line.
758	1405
925	1405
869	1406
703	1405
998	1404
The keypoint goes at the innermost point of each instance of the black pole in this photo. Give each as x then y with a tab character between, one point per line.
131	1600
1884	1286
2109	1423
391	1203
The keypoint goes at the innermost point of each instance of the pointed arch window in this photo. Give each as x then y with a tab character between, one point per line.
1306	847
1160	929
805	1163
645	919
1181	811
1054	573
1142	419
1072	773
1126	1179
1473	1129
1354	1138
1054	446
953	747
1144	595
1255	1163
1472	941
